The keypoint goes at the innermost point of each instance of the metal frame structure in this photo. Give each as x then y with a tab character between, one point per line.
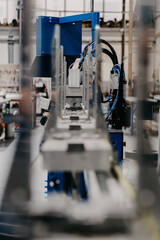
88	138
71	42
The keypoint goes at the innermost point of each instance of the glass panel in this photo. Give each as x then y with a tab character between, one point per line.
12	12
98	5
113	5
113	17
40	4
53	13
72	13
127	9
87	5
39	13
3	11
74	5
55	5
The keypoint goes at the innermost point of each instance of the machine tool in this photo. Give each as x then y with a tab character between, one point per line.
76	132
77	151
94	200
76	106
83	177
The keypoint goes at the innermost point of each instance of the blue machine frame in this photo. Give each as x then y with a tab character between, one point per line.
116	138
70	32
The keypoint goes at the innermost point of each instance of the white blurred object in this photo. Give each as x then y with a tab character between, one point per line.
105	107
2	92
75	64
105	70
39	84
9	77
13	96
46	82
114	81
2	136
74	74
104	86
44	103
15	112
74	78
9	131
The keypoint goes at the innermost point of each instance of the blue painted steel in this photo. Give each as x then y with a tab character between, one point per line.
54	182
117	143
94	17
71	32
95	21
80	18
82	187
71	38
44	33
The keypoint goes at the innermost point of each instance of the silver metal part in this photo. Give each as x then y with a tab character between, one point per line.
74	91
114	81
83	122
74	78
84	148
62	82
56	70
77	151
98	71
65	81
44	103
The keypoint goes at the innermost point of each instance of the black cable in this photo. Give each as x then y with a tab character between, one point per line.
107	52
111	54
112	50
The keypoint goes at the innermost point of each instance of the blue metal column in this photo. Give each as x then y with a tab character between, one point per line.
94	22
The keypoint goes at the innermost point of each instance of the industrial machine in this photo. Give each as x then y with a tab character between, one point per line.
77	151
76	137
78	100
83	178
92	199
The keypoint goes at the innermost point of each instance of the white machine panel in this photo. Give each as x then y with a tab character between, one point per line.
46	81
74	78
63	155
44	103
